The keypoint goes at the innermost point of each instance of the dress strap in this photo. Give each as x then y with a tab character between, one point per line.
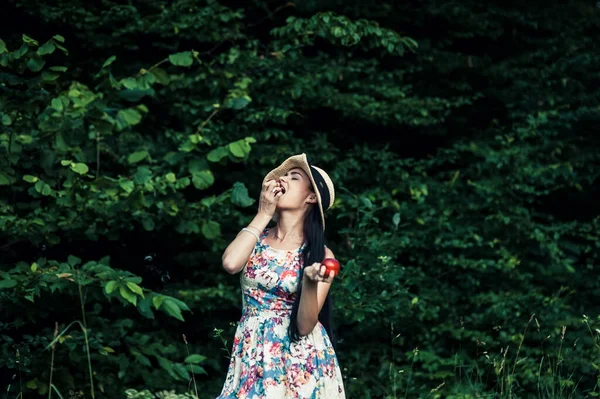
264	233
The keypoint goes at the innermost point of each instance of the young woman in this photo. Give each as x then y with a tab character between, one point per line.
282	346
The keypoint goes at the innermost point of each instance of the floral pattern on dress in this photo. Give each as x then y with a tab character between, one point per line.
264	363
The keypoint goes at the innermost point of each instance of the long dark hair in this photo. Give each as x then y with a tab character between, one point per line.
314	251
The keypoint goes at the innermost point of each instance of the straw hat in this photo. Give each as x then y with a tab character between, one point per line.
320	180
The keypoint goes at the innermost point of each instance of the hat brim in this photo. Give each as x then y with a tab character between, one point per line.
297	161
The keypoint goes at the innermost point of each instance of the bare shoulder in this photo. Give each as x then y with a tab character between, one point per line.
329	253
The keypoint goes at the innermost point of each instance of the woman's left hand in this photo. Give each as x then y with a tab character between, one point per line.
316	273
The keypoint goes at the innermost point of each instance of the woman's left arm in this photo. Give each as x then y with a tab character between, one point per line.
315	286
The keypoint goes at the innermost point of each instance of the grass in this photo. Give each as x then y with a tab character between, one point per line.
470	381
83	325
552	380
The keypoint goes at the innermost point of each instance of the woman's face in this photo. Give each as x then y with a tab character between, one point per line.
298	191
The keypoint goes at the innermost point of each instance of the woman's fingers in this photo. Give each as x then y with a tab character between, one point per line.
318	272
274	188
269	184
331	276
277	192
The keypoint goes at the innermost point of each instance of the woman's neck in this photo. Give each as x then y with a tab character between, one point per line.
289	228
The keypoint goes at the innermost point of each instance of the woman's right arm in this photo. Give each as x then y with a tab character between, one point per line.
238	252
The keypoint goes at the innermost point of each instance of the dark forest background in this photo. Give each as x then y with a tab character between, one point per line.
463	138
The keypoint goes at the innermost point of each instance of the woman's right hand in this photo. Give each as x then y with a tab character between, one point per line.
270	194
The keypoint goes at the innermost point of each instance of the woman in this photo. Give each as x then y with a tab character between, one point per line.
281	348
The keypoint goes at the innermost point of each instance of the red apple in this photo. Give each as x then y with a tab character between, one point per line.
331	265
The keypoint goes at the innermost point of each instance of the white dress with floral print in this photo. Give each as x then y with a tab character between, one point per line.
264	363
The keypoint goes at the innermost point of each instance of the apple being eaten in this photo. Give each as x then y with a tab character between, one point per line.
331	265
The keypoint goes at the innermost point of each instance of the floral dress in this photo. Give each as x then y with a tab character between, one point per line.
264	362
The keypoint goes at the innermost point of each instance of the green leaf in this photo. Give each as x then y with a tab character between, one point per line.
30	41
42	188
181	370
3	48
20	52
137	156
58	68
240	148
171	178
396	219
57	104
38	221
197	369
109	61
145	308
203	179
80	168
35	63
30	179
217	154
196	165
50	76
181	59
141	359
135	288
46	48
158	300
128	117
168	367
7	283
127	185
208	201
143	175
238	102
4	180
6	120
135	95
128	295
61	48
239	195
148	224
172	309
34	267
73	260
179	303
130	83
195	359
59	38
111	286
161	76
211	230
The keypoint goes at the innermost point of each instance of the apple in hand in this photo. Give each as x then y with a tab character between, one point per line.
331	265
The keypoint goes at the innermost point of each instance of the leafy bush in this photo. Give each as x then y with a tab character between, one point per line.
135	138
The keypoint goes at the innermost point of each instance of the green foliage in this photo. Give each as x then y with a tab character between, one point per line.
145	394
466	168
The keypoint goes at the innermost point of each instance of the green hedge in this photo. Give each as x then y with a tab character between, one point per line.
462	139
